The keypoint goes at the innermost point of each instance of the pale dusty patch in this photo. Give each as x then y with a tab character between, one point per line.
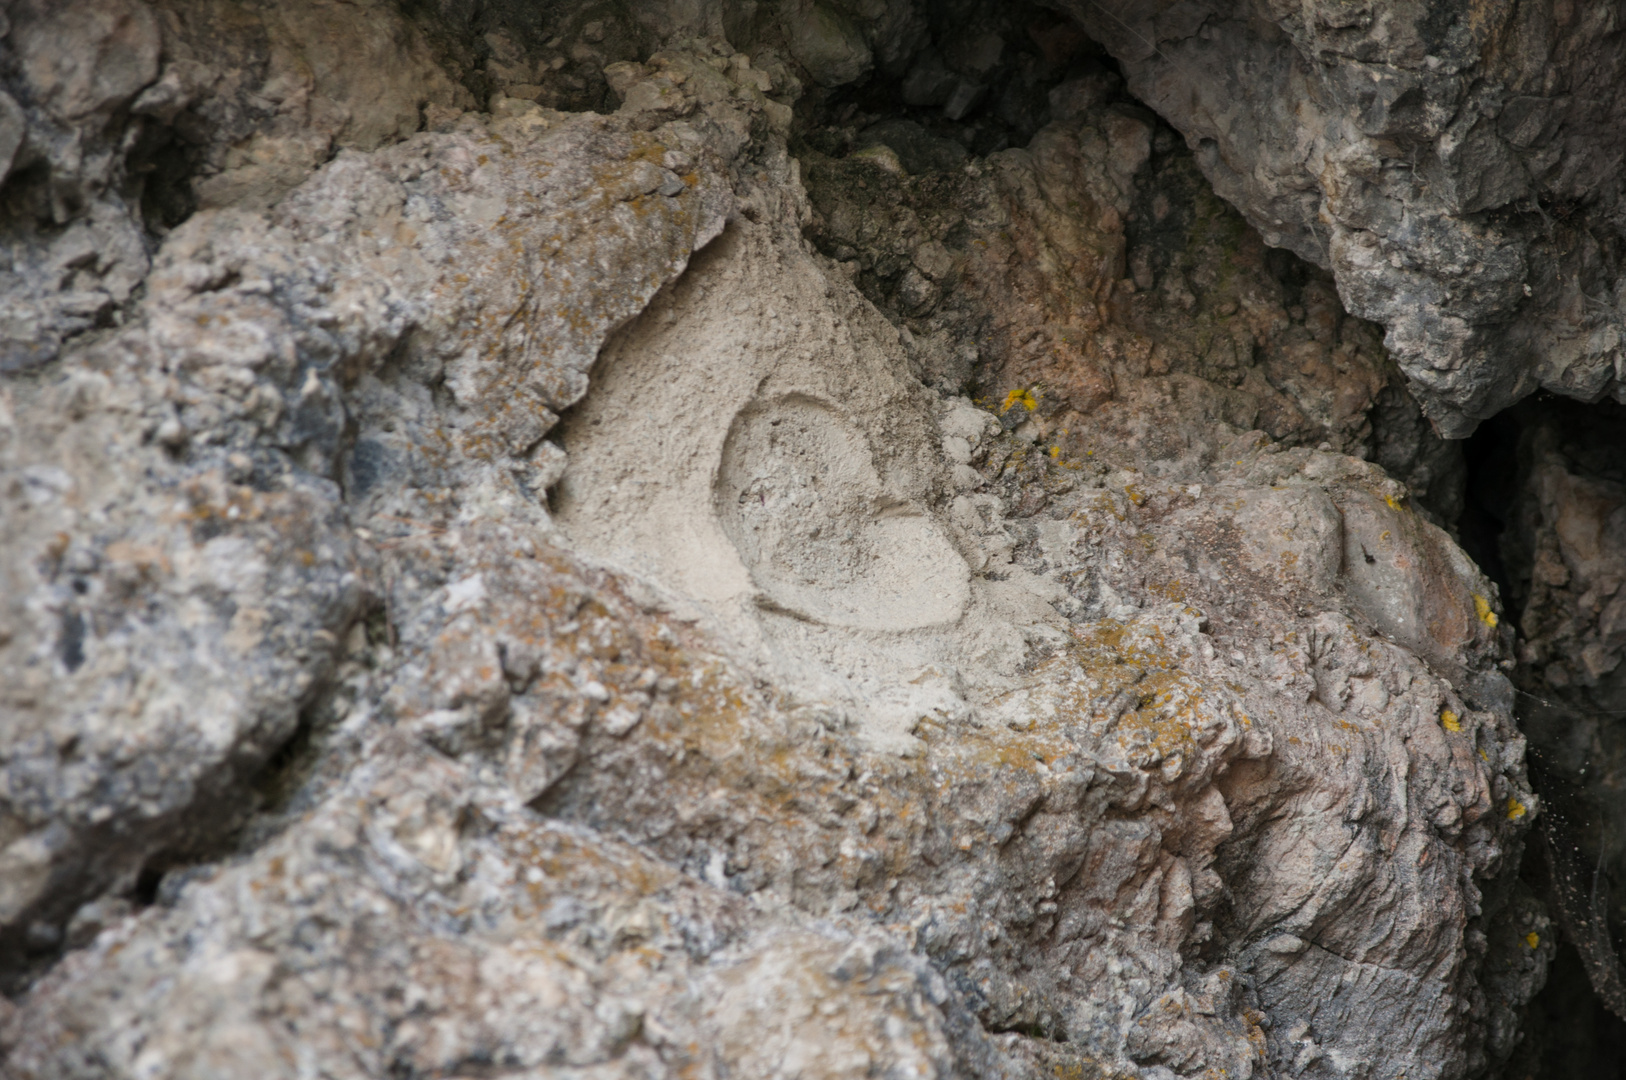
756	446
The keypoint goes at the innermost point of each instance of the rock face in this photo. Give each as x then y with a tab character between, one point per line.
1453	165
1553	495
693	569
121	112
198	548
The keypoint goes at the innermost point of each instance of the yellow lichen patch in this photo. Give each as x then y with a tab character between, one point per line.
1450	721
1532	939
1023	397
1111	662
1394	503
1171	590
1483	609
1104	505
1055	451
1515	809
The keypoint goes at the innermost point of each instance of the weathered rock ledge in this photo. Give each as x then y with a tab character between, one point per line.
1455	166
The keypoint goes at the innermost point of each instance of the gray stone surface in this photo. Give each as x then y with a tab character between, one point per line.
122	117
1455	166
182	568
522	591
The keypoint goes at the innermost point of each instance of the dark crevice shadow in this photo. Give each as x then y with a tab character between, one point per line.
1573	1026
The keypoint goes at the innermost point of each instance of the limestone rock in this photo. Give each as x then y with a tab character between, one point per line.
575	593
1450	167
138	114
183	566
826	43
80	58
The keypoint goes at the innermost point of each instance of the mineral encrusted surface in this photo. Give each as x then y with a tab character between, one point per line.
742	541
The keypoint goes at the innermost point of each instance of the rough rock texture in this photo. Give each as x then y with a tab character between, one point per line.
187	571
954	630
1456	165
1551	494
1565	517
124	113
